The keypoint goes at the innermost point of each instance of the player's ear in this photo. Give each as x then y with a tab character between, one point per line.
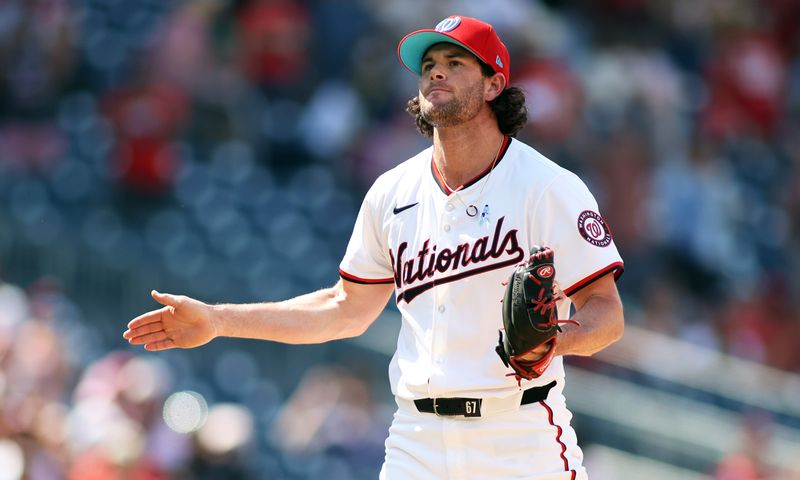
494	86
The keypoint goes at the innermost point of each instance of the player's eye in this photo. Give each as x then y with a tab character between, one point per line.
426	67
454	63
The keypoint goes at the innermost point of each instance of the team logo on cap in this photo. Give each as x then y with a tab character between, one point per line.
498	61
448	24
593	228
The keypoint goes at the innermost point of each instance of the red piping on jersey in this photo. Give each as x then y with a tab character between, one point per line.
437	175
616	267
367	281
559	431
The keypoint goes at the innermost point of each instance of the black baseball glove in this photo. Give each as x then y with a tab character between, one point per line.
530	318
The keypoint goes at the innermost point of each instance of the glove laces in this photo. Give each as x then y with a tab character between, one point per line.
548	306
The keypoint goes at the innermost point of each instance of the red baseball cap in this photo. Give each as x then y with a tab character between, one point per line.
475	35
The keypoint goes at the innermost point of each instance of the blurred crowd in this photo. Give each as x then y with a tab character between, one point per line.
232	140
72	410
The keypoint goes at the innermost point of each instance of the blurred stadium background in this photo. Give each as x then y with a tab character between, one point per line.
220	148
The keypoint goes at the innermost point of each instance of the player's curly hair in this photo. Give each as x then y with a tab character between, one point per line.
509	109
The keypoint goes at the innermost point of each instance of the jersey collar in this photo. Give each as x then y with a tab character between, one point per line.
437	176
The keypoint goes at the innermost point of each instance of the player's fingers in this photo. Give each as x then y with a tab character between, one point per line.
147	318
143	330
162	345
148	338
164	298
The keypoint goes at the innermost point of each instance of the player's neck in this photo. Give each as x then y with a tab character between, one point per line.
462	153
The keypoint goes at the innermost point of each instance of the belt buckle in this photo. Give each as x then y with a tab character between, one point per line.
436	407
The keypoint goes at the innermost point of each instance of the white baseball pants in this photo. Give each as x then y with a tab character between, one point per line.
532	442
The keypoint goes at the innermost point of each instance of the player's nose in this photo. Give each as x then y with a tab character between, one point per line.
436	73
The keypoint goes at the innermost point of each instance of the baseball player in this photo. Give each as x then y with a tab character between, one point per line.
443	231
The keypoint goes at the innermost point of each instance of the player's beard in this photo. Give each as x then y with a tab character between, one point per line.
456	111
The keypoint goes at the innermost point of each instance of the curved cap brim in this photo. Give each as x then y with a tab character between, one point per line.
413	47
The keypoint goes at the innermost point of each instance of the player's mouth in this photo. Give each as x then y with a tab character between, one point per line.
437	88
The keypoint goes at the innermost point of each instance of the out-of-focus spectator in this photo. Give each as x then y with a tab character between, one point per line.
331	411
35	371
274	40
37	61
748	462
14	310
625	172
763	327
746	80
148	115
183	52
694	213
37	56
554	99
115	424
337	26
38	364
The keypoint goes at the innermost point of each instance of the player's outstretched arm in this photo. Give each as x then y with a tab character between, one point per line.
598	309
342	311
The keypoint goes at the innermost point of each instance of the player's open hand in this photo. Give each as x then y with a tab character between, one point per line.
183	322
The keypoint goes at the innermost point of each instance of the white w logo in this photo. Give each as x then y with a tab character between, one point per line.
448	24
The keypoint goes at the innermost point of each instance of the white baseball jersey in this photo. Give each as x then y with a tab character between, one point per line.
448	267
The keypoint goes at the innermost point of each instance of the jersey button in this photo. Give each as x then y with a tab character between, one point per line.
447	228
449	207
442	309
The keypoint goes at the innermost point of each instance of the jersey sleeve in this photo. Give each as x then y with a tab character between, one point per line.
366	259
570	222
